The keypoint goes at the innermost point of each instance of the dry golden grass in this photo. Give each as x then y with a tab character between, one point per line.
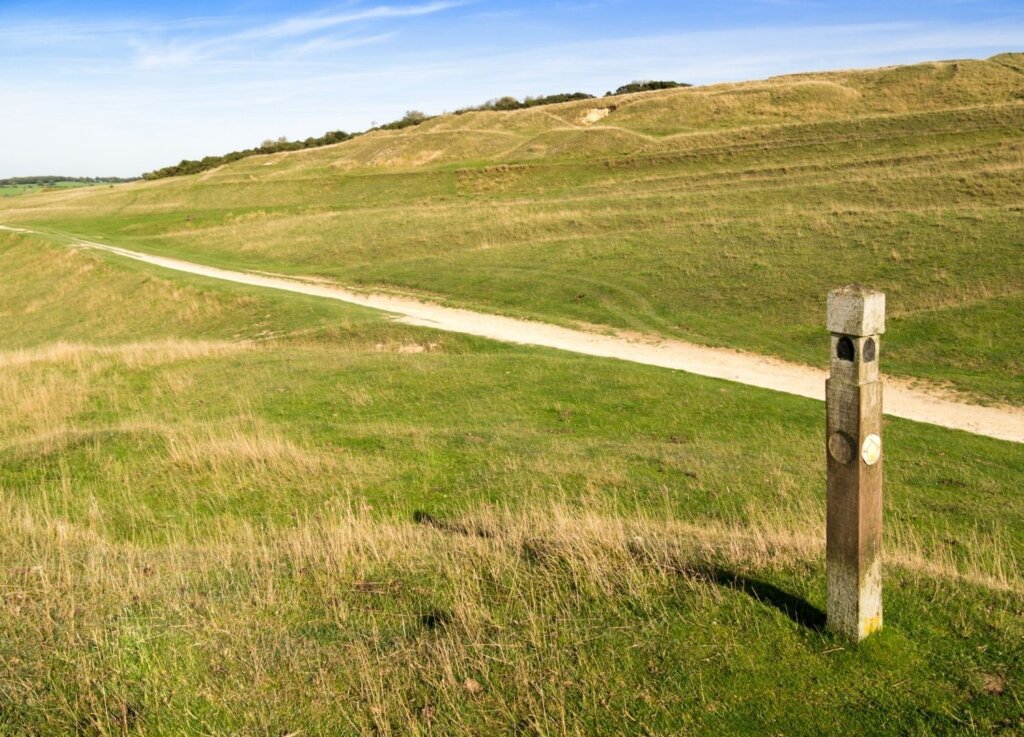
247	446
197	603
235	597
130	355
44	389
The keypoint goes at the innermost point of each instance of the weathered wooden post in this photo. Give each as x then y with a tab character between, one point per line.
853	405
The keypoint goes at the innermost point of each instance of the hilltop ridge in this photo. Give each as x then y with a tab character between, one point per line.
785	98
716	214
651	121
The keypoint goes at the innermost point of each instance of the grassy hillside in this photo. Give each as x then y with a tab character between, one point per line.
717	214
228	511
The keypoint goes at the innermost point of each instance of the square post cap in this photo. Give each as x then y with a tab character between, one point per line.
856	310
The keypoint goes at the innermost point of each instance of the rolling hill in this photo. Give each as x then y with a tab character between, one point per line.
716	214
227	510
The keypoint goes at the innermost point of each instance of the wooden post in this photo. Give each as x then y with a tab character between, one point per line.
853	405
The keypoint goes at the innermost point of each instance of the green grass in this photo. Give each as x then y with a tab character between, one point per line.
719	214
226	510
12	190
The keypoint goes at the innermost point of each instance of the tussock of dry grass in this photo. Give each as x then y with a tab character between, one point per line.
43	389
249	446
39	403
131	355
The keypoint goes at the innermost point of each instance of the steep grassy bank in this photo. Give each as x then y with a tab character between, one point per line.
717	214
229	511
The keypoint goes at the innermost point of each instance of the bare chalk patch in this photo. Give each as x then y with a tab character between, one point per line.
595	114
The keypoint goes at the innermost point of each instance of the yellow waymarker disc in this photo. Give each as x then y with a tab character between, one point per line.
871	451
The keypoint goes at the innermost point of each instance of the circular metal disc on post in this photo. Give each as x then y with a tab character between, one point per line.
840	447
871	451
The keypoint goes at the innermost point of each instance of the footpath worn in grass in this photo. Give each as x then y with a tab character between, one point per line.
227	511
717	214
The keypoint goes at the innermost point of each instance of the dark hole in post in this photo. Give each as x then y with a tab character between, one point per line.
844	349
869	350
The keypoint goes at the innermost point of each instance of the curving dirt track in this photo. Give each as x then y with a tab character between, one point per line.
901	400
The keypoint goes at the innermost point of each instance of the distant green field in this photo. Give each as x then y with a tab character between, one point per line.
717	214
232	511
11	190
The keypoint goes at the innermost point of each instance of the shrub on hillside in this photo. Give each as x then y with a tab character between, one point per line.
412	117
511	103
269	146
645	86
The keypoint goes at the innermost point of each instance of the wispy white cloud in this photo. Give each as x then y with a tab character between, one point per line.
327	44
176	53
304	25
150	95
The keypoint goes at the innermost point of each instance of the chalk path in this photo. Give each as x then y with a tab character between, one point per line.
901	399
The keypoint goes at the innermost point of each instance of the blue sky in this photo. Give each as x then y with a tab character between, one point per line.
117	88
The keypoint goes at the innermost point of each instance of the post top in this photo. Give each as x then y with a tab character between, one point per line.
856	310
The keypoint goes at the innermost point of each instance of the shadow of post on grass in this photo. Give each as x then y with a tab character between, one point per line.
799	610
